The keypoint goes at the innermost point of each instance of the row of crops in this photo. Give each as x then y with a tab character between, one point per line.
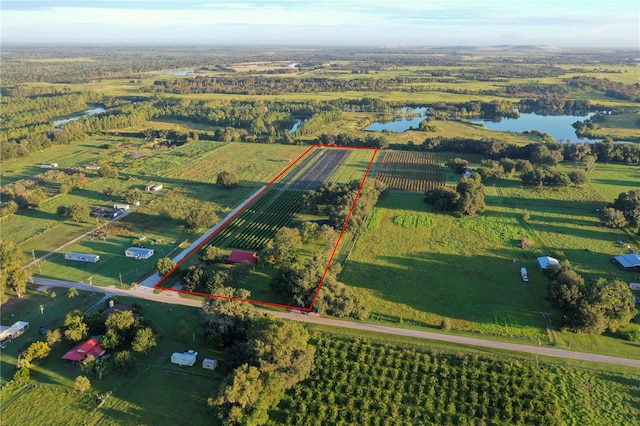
313	177
362	383
255	226
264	224
412	171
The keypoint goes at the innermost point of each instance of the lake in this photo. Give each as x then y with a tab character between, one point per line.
295	126
78	116
557	126
401	124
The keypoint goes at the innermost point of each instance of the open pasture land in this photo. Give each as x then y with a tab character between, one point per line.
140	398
276	206
467	269
411	171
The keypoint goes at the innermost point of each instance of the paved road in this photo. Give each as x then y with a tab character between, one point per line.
143	292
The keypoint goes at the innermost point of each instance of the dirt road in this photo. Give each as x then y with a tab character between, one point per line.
143	292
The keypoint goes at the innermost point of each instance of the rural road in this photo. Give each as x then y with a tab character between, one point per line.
143	292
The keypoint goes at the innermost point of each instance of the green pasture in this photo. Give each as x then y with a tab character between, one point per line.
467	269
142	398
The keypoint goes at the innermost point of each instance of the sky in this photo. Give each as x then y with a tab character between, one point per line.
565	23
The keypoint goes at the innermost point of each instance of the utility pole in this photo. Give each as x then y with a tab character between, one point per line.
33	253
90	280
120	278
537	351
42	310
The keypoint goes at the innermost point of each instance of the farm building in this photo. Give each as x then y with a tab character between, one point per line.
139	253
104	212
239	256
82	257
628	262
184	358
153	188
209	363
49	166
92	167
545	262
121	206
9	333
88	347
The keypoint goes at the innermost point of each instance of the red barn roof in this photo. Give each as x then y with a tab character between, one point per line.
88	347
239	256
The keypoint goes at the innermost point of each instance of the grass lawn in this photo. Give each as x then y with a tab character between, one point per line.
146	397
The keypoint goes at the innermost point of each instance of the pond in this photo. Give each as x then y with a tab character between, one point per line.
295	126
401	124
78	116
557	126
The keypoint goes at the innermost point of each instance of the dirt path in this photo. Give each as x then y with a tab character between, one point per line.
173	297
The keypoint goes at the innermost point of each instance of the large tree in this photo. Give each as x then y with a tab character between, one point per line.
247	397
286	242
75	326
281	347
12	274
143	340
79	212
471	190
227	179
164	265
225	320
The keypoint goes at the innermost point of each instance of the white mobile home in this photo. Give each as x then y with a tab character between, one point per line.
139	253
82	257
180	358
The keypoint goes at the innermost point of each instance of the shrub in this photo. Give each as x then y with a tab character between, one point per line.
82	384
22	375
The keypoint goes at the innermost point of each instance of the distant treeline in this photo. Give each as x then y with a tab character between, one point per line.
612	89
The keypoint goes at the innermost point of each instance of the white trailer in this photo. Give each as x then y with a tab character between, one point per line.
182	358
523	274
82	257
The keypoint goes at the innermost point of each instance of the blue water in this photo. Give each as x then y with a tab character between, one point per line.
295	126
557	126
401	124
87	113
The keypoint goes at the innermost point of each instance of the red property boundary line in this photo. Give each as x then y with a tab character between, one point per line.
248	203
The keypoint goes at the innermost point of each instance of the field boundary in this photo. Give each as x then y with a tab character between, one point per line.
210	234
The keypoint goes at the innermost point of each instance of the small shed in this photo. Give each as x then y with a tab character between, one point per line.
82	257
9	333
209	363
139	253
121	206
634	286
545	262
239	256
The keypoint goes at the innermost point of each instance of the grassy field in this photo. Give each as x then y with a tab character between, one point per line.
483	292
142	398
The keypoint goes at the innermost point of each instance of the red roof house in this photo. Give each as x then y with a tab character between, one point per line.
239	256
88	347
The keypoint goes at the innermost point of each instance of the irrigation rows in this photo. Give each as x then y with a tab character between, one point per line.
411	171
256	225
